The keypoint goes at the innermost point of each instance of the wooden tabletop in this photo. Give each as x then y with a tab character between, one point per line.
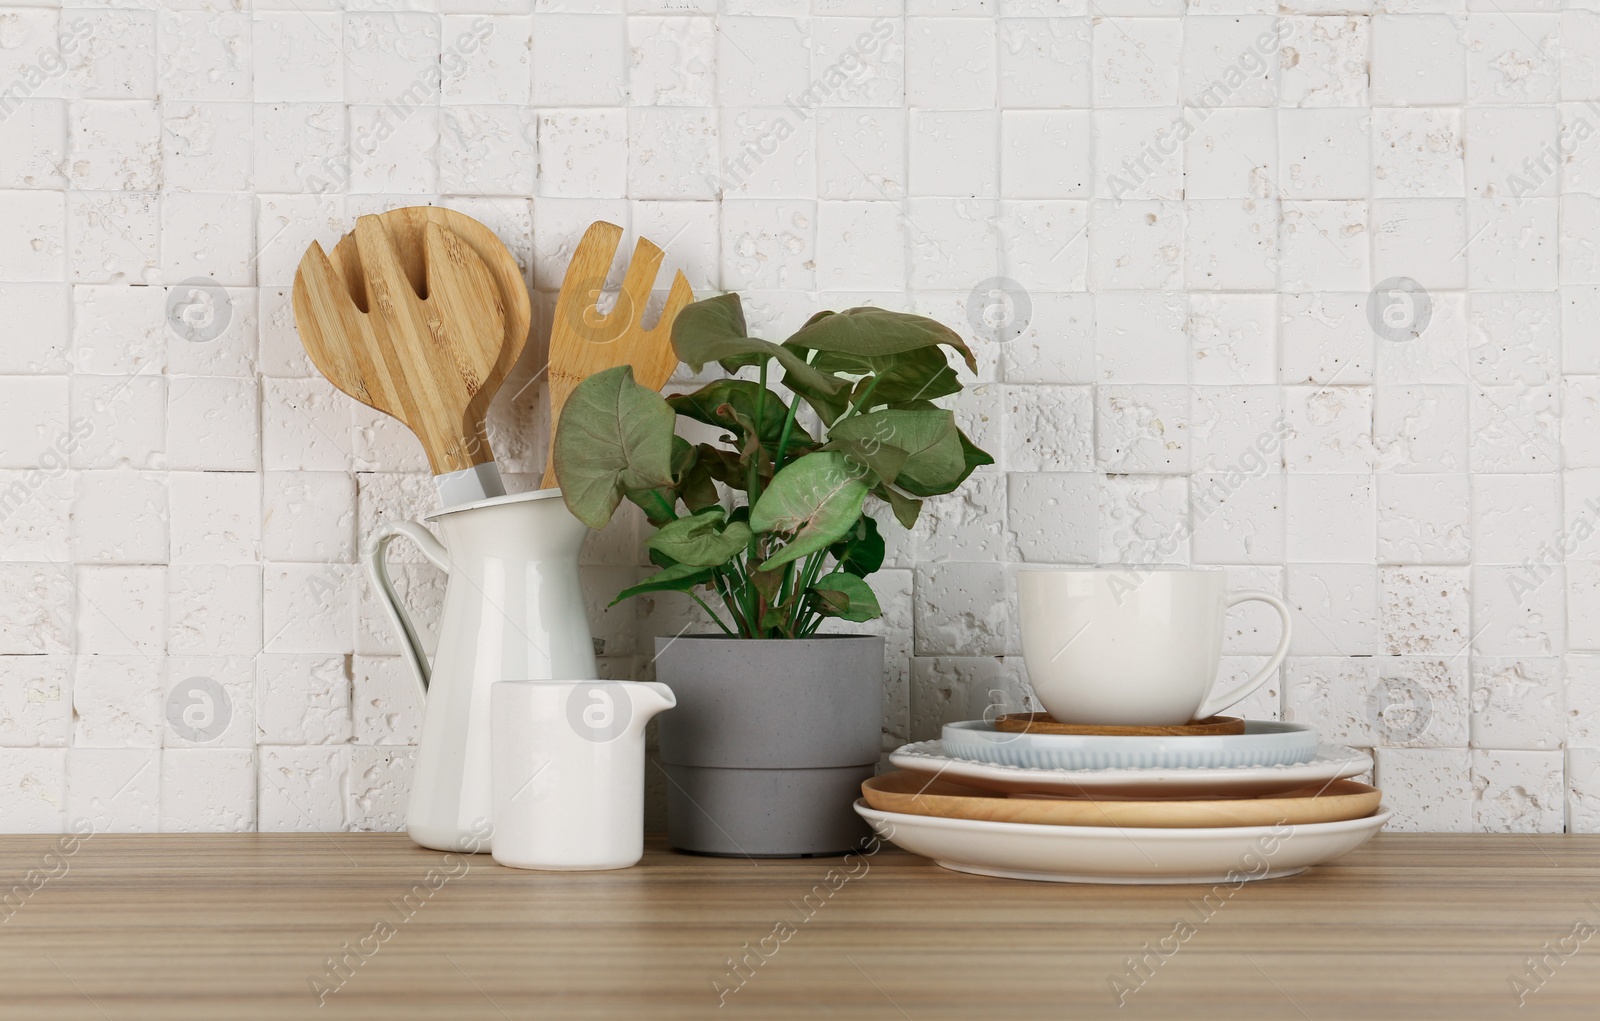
223	927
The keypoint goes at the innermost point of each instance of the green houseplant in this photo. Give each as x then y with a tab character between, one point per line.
769	530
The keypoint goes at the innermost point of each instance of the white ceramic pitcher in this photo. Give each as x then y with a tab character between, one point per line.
569	772
513	610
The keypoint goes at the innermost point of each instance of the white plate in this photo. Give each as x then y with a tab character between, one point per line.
1333	762
1263	743
1100	854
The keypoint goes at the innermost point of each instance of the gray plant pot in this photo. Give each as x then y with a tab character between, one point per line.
769	743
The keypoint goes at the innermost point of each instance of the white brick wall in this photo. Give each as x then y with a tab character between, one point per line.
1190	218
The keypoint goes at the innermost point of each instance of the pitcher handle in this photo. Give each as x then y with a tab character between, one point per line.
1216	703
378	567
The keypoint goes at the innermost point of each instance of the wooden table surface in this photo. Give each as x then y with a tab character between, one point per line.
222	927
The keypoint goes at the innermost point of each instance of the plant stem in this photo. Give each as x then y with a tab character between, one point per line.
752	483
744	590
713	614
797	578
818	558
754	598
753	469
788	424
787	588
735	598
811	618
855	409
661	503
723	590
815	623
805	626
808	575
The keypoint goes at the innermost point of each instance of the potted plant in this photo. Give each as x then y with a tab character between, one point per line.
768	531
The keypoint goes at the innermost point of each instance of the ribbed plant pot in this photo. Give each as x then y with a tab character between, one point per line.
769	743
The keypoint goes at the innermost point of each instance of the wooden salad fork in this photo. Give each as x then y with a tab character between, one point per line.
430	358
584	341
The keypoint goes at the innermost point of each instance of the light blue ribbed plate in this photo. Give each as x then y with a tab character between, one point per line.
1332	762
1263	743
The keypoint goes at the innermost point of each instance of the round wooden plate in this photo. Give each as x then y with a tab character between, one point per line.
1044	723
916	794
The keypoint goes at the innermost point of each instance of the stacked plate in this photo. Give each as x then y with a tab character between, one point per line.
1190	806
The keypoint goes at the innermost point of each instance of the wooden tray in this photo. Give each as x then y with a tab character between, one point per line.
1044	723
917	794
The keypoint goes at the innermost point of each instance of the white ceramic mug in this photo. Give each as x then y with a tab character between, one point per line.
568	771
1132	646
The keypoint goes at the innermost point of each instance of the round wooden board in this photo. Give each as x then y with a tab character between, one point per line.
916	794
1044	723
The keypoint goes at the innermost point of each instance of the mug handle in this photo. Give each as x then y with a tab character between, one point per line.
1216	703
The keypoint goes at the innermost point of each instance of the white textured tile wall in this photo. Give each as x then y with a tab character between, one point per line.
1309	290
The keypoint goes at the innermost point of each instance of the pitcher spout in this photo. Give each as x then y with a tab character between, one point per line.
647	699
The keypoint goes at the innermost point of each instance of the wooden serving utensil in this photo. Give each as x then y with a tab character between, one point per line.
420	313
1044	723
584	341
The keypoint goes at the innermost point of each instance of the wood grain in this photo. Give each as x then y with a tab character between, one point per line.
584	341
1044	723
224	927
420	313
918	794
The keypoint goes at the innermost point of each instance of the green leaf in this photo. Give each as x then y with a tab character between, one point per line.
696	486
934	462
768	583
828	402
861	551
731	404
905	509
683	456
677	578
815	500
775	623
882	460
729	467
658	558
710	320
614	436
973	456
751	452
924	374
721	465
713	330
867	332
658	503
841	594
703	539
